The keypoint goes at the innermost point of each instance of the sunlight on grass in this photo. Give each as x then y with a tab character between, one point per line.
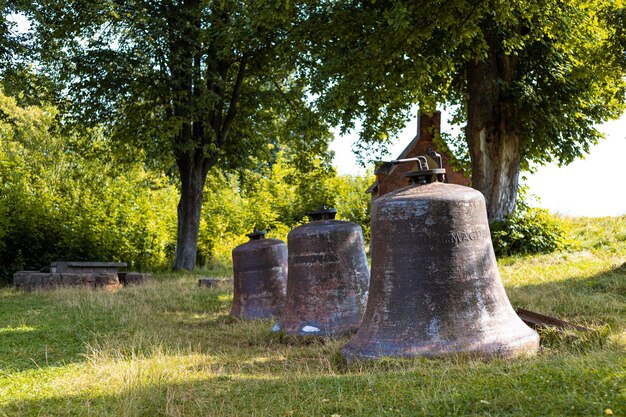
22	328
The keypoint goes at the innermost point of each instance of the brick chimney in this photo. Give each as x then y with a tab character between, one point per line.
428	125
391	177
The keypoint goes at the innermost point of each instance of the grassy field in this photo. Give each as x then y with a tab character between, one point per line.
170	348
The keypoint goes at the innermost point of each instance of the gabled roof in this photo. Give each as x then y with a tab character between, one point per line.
372	188
410	146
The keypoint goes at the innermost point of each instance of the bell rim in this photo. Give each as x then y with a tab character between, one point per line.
512	347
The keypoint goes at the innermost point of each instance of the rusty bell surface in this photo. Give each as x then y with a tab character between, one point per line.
328	277
435	288
260	277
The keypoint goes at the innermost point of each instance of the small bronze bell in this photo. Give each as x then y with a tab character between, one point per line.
260	277
328	277
435	287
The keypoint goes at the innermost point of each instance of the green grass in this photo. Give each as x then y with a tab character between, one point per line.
171	349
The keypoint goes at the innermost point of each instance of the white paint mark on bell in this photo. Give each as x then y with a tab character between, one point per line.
310	329
433	329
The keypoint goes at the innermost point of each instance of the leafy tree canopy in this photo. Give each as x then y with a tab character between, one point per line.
147	68
74	198
531	78
197	84
373	60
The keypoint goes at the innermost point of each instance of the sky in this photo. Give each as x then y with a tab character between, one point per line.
593	186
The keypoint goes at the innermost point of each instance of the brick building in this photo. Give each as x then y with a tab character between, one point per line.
390	177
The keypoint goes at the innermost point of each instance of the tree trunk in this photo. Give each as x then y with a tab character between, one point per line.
492	136
193	175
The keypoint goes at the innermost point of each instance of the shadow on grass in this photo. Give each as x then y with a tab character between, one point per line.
32	334
502	389
198	320
595	301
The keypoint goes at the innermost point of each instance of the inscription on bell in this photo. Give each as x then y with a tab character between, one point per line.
315	258
461	237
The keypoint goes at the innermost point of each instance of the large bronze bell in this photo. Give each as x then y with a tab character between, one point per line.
328	277
260	277
435	288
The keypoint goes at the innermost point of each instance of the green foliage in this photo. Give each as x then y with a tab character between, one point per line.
351	201
13	43
57	203
275	198
372	61
195	84
528	230
530	80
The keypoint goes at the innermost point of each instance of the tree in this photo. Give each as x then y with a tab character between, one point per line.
530	78
17	79
201	84
12	43
275	197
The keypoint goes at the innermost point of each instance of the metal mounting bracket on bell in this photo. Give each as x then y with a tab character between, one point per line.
257	234
424	174
435	288
322	214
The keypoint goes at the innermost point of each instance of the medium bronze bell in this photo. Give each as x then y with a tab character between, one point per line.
435	288
260	277
328	277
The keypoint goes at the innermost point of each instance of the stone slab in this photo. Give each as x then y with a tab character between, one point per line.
86	267
34	281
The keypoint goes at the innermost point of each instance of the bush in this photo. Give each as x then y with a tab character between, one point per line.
528	231
275	198
57	203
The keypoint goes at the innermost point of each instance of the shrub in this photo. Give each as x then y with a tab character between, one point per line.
276	198
528	231
57	203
